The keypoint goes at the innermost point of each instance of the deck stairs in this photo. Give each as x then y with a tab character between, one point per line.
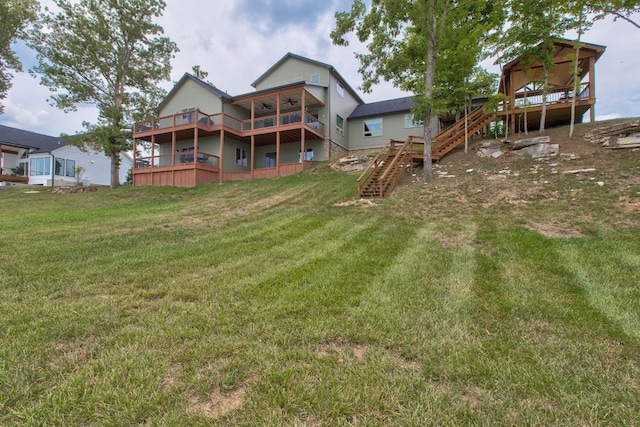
386	169
454	135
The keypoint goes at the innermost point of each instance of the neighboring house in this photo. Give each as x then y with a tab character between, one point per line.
302	111
36	159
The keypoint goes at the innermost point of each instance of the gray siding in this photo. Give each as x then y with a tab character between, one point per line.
392	128
291	69
191	94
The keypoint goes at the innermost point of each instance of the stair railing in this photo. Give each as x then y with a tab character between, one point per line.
369	173
395	169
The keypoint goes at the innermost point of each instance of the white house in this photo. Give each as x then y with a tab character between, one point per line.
36	159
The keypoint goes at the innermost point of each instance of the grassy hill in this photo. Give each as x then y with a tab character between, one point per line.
504	293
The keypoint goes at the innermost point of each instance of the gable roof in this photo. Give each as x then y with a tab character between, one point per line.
209	87
38	142
329	67
383	107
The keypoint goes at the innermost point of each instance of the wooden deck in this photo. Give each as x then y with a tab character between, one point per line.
14	178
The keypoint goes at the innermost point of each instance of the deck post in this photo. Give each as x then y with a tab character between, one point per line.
302	154
195	154
253	150
592	87
278	153
221	160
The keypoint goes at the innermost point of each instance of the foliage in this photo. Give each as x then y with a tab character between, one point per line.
15	16
78	172
18	170
108	53
406	41
199	73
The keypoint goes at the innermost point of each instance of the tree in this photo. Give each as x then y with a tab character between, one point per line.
534	25
15	16
404	40
199	73
619	9
108	53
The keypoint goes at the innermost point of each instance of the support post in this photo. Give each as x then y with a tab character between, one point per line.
221	160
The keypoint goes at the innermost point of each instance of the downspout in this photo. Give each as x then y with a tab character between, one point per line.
53	169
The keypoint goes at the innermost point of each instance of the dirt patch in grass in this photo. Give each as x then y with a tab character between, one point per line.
357	202
345	352
555	230
216	404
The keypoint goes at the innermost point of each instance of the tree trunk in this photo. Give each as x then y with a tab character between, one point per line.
526	120
115	170
576	83
428	95
543	114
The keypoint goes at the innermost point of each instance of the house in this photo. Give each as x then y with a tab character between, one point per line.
36	159
302	111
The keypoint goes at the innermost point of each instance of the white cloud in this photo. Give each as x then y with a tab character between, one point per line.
608	117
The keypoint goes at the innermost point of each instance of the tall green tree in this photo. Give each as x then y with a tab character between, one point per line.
404	39
109	53
15	17
534	25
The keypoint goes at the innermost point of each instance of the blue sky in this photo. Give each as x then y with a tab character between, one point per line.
235	41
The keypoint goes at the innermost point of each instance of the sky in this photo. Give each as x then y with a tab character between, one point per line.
236	41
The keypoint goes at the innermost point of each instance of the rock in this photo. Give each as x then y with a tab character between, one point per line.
576	171
469	170
517	145
496	153
600	183
540	150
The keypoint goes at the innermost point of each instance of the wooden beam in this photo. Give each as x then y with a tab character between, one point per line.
278	153
253	153
221	160
592	88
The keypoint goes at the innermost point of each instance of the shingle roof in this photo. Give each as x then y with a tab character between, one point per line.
383	107
22	138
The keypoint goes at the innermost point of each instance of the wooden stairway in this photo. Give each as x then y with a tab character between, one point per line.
454	135
386	169
384	172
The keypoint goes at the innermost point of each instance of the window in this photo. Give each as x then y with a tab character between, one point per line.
71	168
59	167
64	167
308	155
25	168
297	79
282	83
373	127
241	157
339	88
315	78
40	166
410	123
270	160
339	124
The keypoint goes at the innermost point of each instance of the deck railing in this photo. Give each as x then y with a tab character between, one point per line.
196	116
556	95
179	158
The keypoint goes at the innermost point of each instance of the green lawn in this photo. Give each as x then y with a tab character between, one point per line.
287	302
